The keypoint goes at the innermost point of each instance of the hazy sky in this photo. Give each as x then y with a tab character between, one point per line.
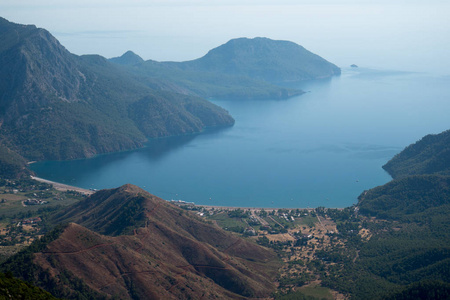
404	35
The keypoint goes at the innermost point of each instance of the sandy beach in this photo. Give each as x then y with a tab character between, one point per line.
64	187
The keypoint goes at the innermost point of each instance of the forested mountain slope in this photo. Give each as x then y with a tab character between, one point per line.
407	253
56	105
428	156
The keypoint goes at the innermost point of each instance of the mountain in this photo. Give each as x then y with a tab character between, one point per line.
56	105
264	59
402	198
407	252
429	155
133	245
421	182
242	69
128	58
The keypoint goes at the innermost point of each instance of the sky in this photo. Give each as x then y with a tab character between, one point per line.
401	35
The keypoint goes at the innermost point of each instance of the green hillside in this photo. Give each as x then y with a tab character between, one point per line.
12	165
396	239
12	288
408	253
429	155
407	196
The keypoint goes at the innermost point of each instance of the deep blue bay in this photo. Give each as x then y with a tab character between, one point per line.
323	148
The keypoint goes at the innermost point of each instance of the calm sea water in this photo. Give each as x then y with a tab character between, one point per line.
323	148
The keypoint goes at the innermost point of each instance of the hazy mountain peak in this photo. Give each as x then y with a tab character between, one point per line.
265	59
128	58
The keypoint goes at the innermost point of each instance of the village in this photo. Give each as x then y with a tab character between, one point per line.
303	238
23	206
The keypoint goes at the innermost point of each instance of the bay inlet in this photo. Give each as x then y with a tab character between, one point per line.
323	148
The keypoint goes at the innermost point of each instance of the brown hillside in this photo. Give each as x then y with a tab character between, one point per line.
147	248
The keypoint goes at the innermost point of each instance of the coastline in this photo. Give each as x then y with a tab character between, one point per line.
255	208
63	187
249	208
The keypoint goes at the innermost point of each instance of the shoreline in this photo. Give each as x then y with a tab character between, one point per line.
63	187
251	208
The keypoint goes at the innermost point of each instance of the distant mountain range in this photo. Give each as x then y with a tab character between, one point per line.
241	68
57	105
130	244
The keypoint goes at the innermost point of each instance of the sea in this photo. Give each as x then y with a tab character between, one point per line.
322	148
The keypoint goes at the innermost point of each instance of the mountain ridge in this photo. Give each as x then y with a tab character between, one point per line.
241	69
56	105
167	254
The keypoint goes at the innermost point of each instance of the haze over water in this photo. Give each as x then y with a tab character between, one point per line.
323	148
409	35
